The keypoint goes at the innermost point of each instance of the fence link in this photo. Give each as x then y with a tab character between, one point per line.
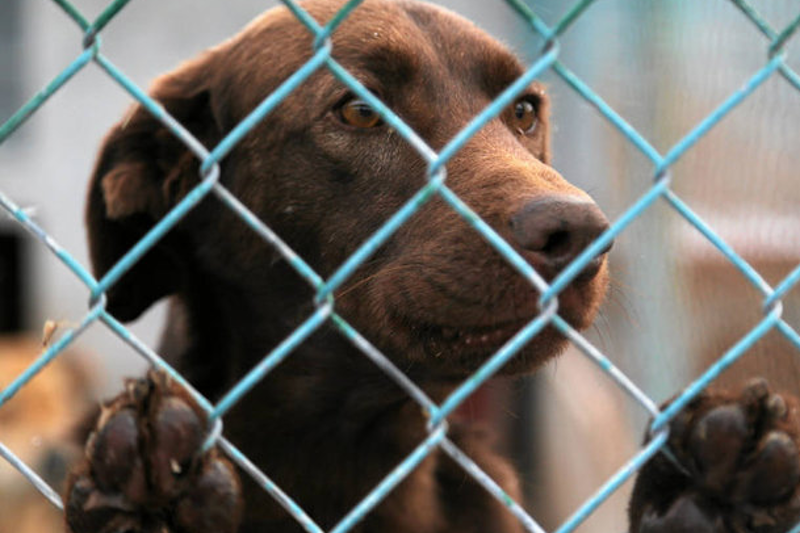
774	65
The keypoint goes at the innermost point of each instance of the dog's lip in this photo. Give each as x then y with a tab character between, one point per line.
484	334
471	338
440	337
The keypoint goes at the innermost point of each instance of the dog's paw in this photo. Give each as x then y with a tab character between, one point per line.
144	473
739	468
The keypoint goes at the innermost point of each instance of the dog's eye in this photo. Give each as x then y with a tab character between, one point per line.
525	119
358	113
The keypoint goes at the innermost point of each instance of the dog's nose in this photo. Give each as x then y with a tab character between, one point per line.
558	228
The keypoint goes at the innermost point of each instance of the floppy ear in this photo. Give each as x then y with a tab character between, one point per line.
142	171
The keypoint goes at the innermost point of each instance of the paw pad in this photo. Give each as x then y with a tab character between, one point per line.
144	472
740	468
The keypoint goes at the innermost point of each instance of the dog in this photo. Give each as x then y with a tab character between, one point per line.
324	172
37	425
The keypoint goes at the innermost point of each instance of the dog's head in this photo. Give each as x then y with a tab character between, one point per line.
325	172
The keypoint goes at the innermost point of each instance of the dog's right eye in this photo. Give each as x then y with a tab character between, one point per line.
524	116
356	112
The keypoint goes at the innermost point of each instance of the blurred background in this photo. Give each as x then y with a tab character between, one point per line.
676	303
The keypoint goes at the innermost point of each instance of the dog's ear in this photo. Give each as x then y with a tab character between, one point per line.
142	171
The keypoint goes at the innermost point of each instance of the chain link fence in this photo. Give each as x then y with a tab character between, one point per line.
660	191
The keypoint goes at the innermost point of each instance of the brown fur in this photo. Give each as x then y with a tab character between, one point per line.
327	425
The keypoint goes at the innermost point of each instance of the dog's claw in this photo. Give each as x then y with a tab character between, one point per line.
743	465
144	473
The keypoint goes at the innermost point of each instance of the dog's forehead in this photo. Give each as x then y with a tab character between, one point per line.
389	45
427	35
400	33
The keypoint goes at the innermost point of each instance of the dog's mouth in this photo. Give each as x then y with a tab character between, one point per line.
429	336
479	340
484	339
451	321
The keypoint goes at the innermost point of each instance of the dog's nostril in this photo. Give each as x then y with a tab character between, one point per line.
557	228
558	243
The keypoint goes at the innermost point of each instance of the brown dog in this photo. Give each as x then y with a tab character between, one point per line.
37	425
324	172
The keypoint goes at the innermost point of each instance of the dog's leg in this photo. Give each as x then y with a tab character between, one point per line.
143	472
739	473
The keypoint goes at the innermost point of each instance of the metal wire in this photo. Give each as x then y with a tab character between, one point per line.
210	158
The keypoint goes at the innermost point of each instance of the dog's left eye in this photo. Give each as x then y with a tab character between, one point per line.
358	113
524	118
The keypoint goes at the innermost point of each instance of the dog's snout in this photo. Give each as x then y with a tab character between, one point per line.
555	229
